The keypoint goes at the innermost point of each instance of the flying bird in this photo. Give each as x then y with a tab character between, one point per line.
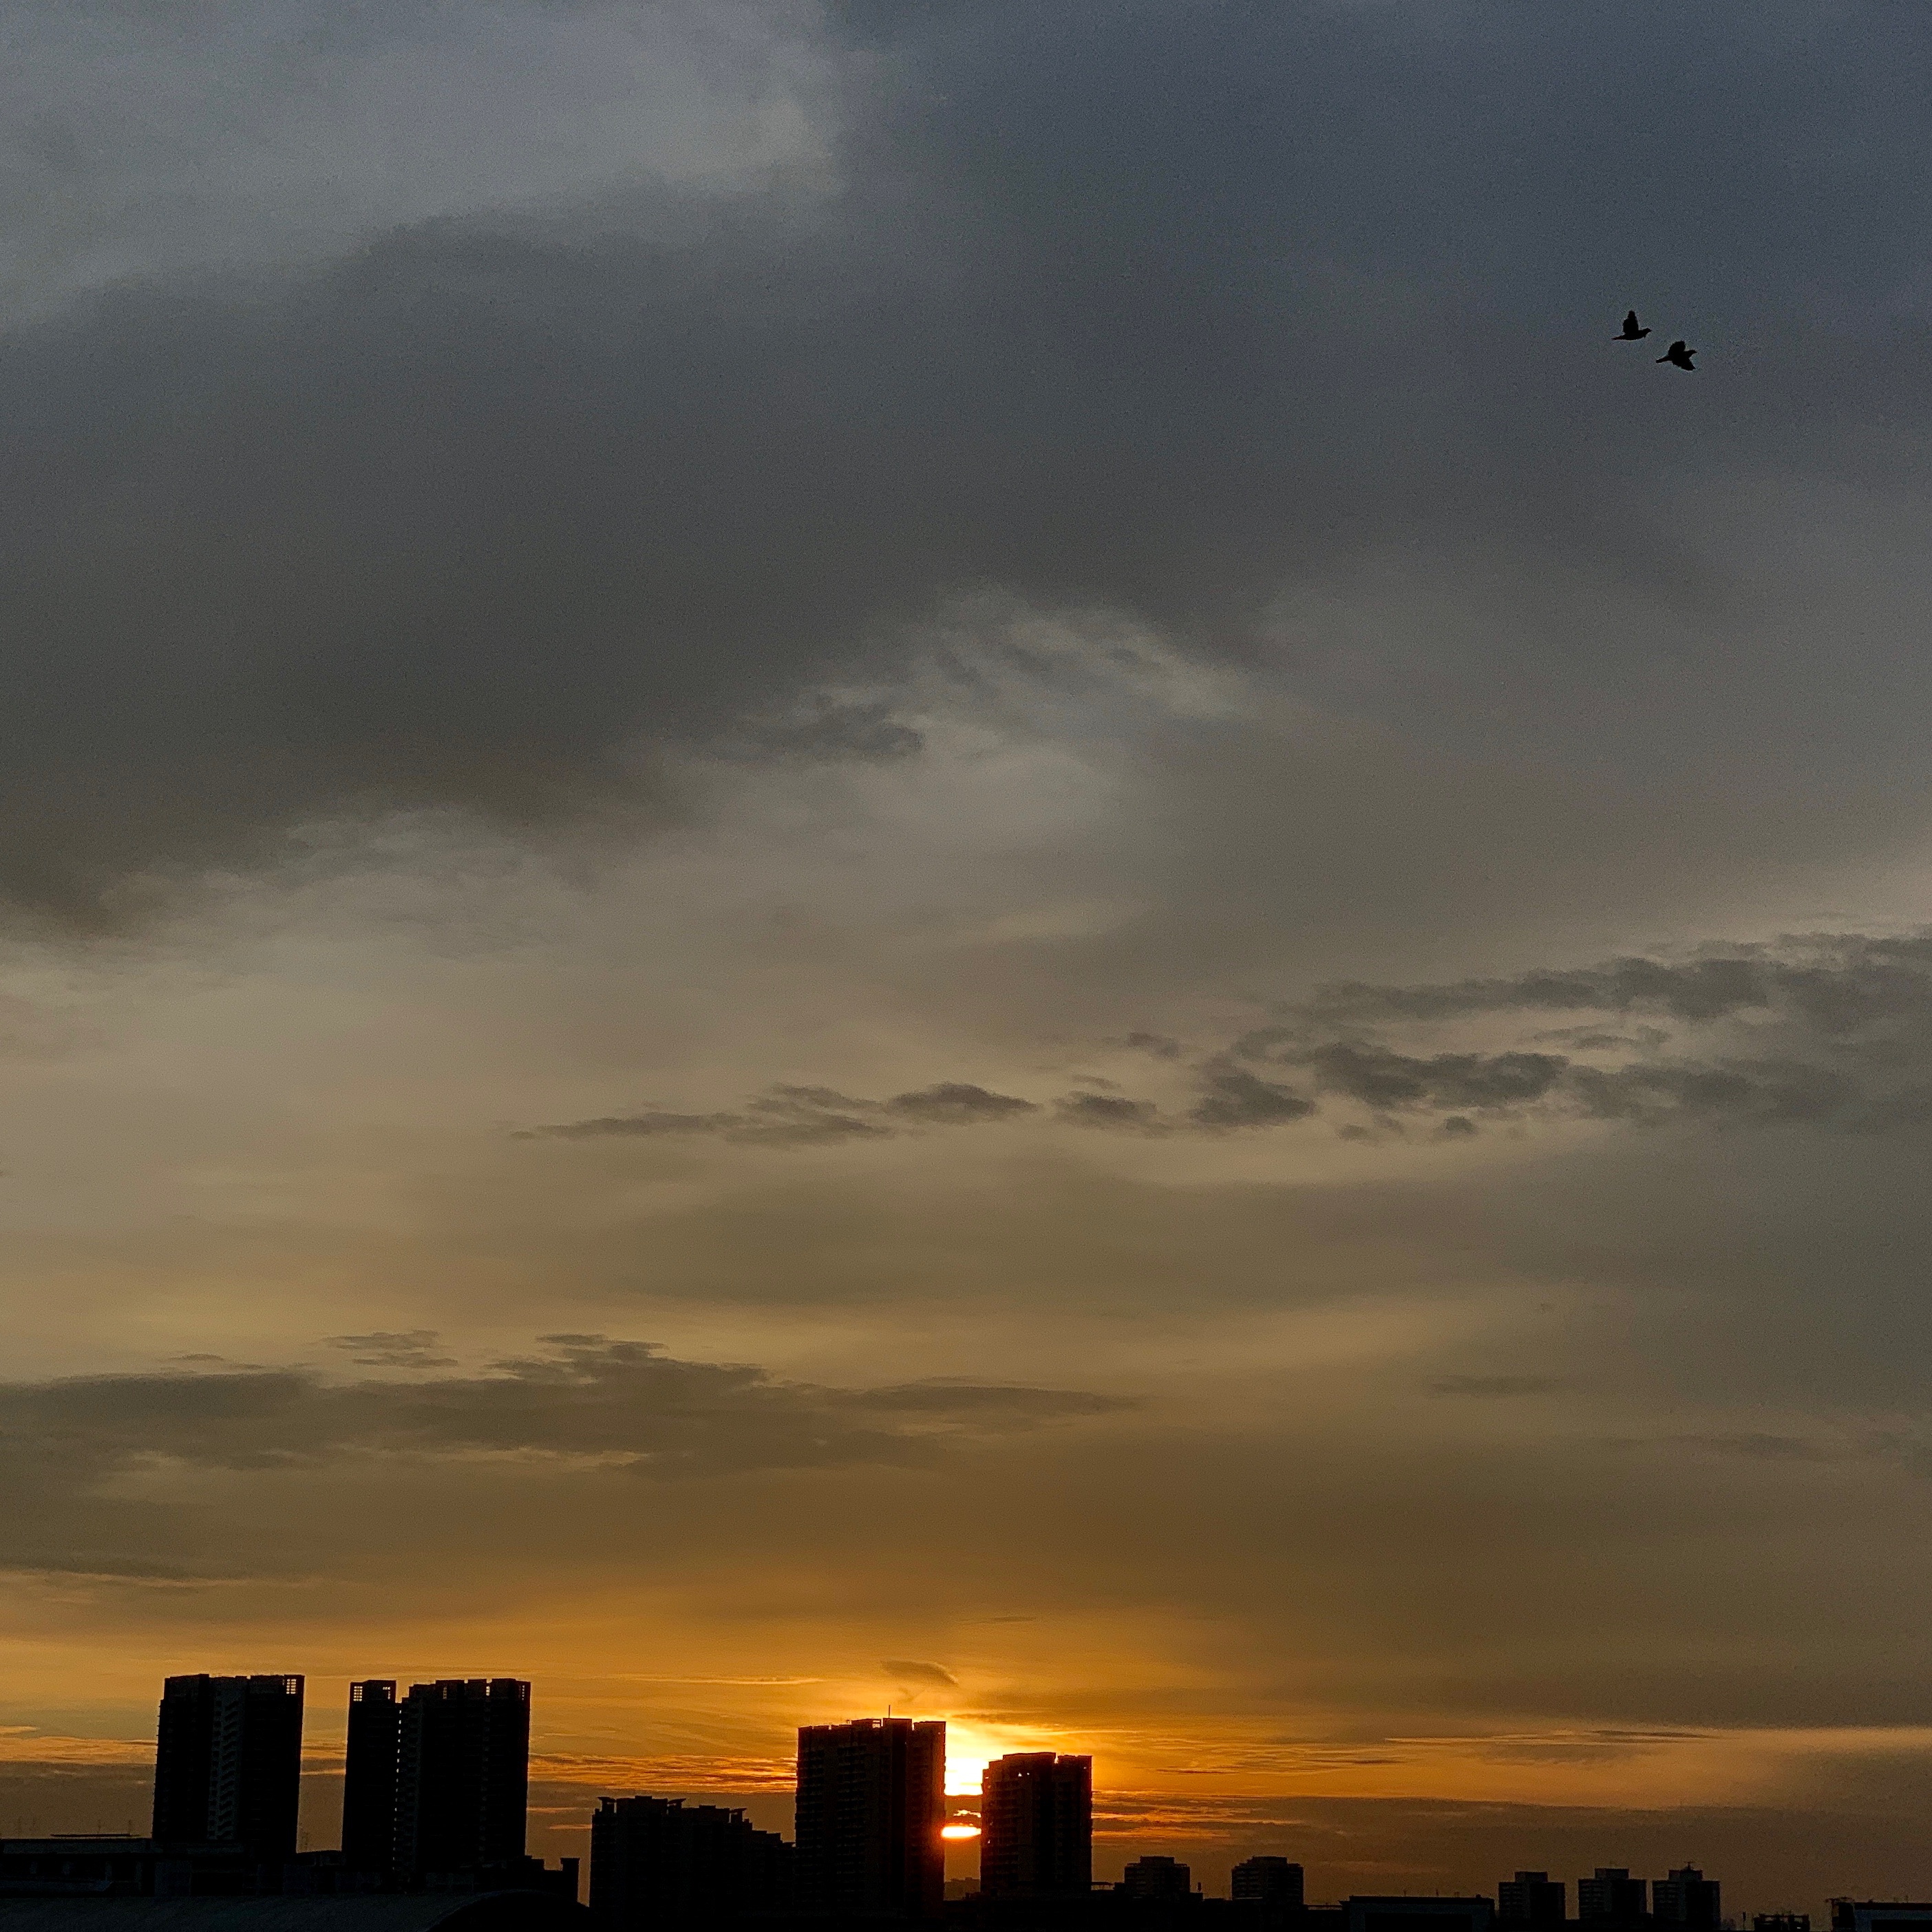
1678	356
1632	332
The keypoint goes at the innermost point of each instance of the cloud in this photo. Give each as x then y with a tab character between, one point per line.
1380	1078
507	515
1236	1098
911	1672
624	1403
787	1116
414	1348
955	1102
1832	1031
1115	1111
1836	984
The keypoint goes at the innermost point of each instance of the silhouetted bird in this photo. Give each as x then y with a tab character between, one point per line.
1678	357
1632	333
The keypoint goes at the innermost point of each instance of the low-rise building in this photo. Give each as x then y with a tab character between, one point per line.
1532	1898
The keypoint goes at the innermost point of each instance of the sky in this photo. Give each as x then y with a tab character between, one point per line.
928	853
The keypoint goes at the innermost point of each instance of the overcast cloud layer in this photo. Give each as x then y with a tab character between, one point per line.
1001	727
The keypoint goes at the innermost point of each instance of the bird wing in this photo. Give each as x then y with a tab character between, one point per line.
1629	322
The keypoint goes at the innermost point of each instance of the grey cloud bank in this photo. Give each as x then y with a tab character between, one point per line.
1833	1032
1179	320
589	1397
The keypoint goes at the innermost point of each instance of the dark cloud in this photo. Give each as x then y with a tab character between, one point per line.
1110	1110
955	1101
1381	1077
1167	322
1836	985
624	1403
907	1671
1834	1032
785	1116
1761	1092
1236	1098
413	1348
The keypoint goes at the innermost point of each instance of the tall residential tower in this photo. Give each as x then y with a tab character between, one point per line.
228	1763
1036	1826
871	1800
463	1774
369	1777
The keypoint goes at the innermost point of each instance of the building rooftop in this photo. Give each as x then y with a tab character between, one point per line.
369	1912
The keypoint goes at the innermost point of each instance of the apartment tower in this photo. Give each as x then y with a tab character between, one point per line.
369	1776
463	1775
871	1801
1036	1826
228	1763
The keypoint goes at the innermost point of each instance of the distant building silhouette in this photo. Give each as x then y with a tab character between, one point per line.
1880	1914
657	1862
369	1776
463	1775
1612	1897
1686	1897
1402	1913
871	1800
228	1763
1269	1881
1036	1826
1780	1921
1532	1898
96	1884
1157	1876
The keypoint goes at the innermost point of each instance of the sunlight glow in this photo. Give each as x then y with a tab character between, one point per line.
958	1831
968	1751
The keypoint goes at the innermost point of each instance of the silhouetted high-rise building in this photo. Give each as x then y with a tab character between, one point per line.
1532	1898
657	1862
369	1776
1686	1897
871	1800
1430	1913
1876	1914
463	1774
1036	1825
228	1763
1157	1875
1266	1880
1612	1896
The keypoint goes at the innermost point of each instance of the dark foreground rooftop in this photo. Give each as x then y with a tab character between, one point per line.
365	1912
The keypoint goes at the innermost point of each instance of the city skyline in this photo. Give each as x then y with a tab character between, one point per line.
435	1793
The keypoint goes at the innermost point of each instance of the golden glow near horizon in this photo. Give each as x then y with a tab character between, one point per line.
969	1750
